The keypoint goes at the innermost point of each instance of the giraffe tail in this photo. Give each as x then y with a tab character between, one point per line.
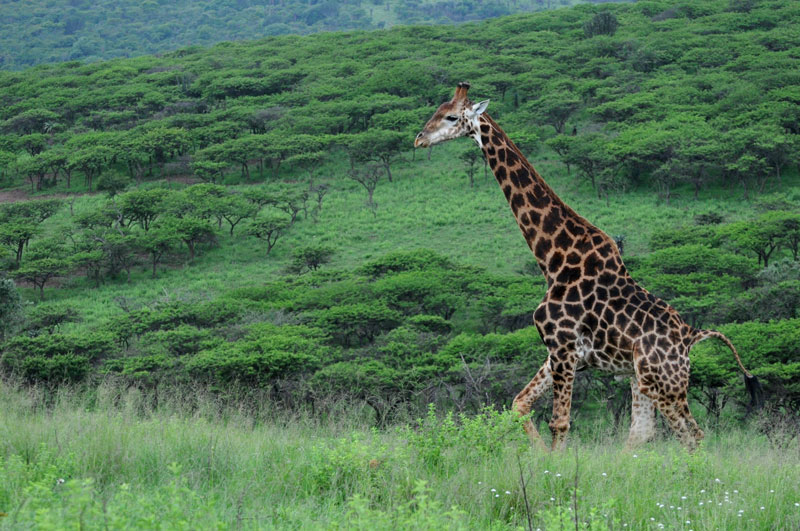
751	383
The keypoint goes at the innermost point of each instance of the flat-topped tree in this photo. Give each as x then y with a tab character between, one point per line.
593	314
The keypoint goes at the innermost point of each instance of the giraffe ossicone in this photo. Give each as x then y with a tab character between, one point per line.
593	314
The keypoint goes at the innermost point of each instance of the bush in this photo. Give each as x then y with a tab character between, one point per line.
356	324
432	292
11	315
604	23
266	354
180	341
94	346
430	323
689	235
310	258
418	260
48	317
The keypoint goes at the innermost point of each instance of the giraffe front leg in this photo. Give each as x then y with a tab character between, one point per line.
527	397
643	417
562	367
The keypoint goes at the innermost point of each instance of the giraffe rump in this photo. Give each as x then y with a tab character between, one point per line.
751	383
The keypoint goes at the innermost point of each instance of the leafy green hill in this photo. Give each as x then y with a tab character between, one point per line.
33	32
237	237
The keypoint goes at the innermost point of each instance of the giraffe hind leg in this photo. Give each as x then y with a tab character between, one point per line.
669	393
643	417
528	396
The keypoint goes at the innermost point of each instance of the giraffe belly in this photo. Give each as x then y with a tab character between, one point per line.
610	359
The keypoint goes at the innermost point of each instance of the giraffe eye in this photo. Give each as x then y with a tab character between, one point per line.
451	118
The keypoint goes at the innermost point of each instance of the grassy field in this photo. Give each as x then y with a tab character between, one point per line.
103	459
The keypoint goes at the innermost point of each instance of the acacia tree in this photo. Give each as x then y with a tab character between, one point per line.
790	226
35	168
156	243
91	160
191	231
235	208
376	145
208	170
470	158
368	176
269	229
141	206
16	234
761	237
556	107
40	271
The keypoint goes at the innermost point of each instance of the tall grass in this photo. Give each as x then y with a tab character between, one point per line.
107	457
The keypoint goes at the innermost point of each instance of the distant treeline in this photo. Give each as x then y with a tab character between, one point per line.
33	32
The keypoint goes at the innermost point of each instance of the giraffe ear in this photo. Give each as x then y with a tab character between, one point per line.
478	108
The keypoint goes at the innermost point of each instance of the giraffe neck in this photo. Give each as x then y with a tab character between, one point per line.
545	220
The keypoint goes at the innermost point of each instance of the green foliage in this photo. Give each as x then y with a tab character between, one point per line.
56	358
421	512
434	437
310	258
11	313
399	261
604	23
53	502
48	317
268	229
356	324
266	354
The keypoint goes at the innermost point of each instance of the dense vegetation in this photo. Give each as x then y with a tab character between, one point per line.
33	32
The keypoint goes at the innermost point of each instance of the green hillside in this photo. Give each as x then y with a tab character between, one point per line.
194	206
33	32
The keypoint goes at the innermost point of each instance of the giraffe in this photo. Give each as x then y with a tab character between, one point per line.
593	313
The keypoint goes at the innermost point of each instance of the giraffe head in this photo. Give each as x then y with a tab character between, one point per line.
453	119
